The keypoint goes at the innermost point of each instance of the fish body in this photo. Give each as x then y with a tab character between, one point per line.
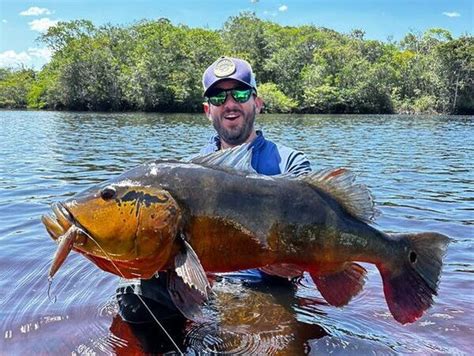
191	217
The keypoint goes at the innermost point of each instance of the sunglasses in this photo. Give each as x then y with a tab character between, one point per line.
239	95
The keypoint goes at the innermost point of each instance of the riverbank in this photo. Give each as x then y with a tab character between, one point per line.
155	66
264	113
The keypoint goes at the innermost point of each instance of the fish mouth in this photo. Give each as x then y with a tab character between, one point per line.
58	223
67	233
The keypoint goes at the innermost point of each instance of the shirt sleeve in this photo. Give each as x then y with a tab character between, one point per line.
293	161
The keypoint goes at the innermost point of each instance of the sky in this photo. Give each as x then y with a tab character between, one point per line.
22	22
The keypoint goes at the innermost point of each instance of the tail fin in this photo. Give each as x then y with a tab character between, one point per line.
410	285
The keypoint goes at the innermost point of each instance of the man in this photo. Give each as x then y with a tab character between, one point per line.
232	103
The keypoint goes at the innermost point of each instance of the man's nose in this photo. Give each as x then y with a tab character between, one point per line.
229	101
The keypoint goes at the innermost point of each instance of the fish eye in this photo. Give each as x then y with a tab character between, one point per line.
107	193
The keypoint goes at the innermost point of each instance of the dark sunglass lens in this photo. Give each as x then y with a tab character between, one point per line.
241	95
218	98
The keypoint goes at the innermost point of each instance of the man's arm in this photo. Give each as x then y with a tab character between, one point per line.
293	161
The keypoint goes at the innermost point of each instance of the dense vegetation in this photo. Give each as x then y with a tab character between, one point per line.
157	66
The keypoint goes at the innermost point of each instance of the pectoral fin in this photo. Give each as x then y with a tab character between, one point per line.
339	288
187	284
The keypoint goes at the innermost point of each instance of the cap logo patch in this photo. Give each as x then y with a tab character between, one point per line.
224	68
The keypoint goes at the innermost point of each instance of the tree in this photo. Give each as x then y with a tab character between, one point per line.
157	66
274	99
14	87
59	36
245	37
456	68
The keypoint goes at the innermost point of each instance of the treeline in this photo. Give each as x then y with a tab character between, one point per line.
157	66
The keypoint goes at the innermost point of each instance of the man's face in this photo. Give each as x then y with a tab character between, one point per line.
233	121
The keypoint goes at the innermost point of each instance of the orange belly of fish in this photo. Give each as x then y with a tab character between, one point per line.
224	246
143	268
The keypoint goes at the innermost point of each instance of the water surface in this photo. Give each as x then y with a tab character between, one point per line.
420	170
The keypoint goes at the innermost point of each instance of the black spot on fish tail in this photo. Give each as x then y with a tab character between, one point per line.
145	198
410	287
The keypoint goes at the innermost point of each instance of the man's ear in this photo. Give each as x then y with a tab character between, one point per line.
258	104
207	110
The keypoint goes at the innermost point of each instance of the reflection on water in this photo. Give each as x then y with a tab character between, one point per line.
255	319
420	170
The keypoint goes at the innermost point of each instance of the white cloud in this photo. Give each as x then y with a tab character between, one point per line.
11	58
42	25
34	57
283	8
35	11
451	14
4	21
253	1
42	53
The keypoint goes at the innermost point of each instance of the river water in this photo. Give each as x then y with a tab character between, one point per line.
420	170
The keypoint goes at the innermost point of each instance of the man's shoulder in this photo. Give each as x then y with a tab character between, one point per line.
290	159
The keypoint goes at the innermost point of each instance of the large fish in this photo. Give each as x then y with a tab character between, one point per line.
205	216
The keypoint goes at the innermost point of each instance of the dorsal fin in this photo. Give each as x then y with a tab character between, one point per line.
340	184
238	158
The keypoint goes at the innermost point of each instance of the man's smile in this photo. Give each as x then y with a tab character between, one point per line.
232	115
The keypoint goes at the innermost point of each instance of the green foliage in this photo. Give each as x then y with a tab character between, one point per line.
245	37
157	66
274	99
14	87
60	36
35	96
348	77
424	104
456	68
323	99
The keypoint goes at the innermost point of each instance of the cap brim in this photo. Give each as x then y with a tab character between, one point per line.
228	78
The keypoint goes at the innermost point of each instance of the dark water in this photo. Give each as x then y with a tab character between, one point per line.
420	170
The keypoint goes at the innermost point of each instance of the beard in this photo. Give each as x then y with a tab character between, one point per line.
236	135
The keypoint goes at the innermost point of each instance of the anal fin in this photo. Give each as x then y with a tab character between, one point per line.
340	287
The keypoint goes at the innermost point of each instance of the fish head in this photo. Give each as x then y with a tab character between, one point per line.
123	227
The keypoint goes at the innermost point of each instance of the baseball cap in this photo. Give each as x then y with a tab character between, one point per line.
228	68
